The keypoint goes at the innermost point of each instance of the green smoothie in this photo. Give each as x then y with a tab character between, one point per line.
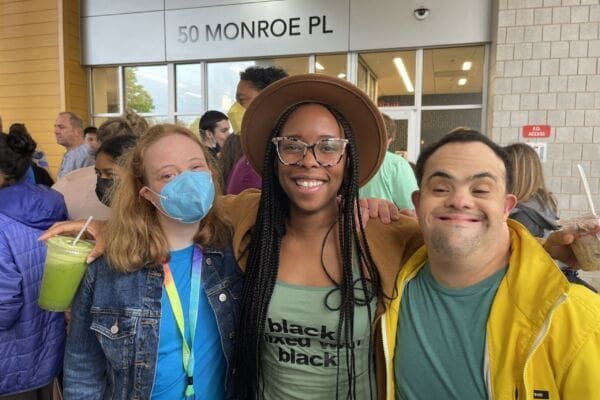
65	266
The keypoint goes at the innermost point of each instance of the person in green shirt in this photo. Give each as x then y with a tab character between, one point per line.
395	180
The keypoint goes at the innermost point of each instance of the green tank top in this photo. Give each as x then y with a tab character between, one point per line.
300	357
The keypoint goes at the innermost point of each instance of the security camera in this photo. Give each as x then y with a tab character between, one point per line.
421	13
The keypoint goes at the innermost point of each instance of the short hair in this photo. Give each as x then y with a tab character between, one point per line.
75	120
464	135
528	177
113	127
16	151
209	121
261	77
90	129
390	126
117	146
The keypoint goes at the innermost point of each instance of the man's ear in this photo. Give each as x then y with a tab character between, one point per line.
416	197
510	201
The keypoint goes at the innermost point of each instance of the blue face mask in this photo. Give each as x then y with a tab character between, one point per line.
188	197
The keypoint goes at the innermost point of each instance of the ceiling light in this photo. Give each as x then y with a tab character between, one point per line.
341	75
467	66
403	74
462	81
319	66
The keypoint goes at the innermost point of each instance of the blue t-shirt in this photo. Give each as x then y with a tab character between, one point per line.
210	365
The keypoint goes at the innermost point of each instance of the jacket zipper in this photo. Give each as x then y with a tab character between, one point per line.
540	338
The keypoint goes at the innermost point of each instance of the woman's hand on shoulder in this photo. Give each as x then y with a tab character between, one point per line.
94	231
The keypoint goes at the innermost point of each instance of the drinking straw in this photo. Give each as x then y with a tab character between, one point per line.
586	186
83	229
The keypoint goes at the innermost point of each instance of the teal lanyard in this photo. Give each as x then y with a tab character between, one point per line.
174	300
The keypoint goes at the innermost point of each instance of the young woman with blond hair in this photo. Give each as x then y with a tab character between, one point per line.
154	318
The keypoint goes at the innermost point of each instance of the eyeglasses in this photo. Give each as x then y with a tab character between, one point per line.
327	152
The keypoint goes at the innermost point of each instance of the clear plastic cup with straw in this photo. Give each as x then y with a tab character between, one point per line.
64	269
585	247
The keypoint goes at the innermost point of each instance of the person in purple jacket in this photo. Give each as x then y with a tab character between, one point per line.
31	339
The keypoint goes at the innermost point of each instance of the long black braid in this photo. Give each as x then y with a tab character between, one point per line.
263	265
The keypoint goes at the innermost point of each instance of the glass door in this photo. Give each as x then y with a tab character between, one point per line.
403	132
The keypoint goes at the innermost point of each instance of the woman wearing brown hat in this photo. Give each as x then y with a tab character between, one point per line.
313	282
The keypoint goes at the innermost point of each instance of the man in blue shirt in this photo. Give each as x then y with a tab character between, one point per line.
68	129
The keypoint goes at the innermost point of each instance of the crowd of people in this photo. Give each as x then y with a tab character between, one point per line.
274	263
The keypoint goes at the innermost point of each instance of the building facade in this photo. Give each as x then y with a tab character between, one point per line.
519	70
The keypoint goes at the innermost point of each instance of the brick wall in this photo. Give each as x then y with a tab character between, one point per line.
545	69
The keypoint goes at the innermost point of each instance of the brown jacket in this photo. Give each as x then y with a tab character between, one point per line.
391	245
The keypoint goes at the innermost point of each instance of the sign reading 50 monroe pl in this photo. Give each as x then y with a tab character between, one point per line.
257	29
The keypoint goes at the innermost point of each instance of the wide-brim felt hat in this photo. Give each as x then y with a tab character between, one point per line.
352	103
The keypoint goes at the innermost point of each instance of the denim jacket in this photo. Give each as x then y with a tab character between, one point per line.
112	346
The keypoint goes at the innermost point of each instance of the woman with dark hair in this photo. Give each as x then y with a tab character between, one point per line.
313	282
35	174
109	161
214	130
31	339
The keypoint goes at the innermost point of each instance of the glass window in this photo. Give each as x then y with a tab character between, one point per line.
453	75
190	122
223	77
437	123
388	77
146	89
105	83
399	136
332	65
188	88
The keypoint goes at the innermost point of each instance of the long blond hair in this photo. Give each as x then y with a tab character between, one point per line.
134	235
528	178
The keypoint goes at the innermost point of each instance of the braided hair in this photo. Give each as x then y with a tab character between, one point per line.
263	264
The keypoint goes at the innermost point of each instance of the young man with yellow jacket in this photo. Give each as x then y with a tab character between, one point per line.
481	310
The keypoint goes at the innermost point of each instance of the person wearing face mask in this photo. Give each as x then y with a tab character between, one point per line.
214	130
168	273
252	81
108	164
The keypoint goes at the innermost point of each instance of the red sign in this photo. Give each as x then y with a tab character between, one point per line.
536	131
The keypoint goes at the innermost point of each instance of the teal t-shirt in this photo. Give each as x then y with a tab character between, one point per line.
209	360
300	357
394	181
441	336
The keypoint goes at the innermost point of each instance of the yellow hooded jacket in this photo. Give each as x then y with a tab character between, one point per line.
543	334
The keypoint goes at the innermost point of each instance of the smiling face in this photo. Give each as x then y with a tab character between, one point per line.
167	158
310	187
462	205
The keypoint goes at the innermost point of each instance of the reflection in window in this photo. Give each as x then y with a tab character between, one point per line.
190	122
388	77
146	89
223	77
437	123
331	65
188	88
105	82
453	75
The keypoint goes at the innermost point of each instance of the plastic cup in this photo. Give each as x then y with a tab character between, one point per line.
586	247
65	266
